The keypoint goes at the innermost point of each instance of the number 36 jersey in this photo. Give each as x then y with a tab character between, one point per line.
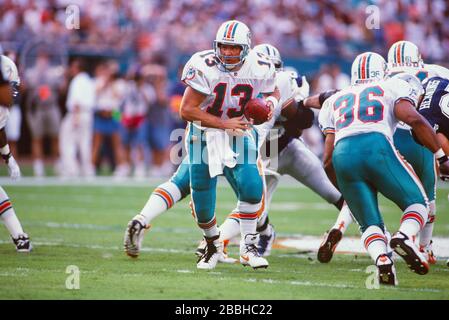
365	108
228	92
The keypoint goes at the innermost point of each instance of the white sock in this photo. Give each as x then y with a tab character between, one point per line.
374	241
261	222
247	226
230	228
162	199
344	219
210	228
426	233
413	220
8	215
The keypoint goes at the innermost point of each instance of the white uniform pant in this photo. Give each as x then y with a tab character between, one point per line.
299	162
75	139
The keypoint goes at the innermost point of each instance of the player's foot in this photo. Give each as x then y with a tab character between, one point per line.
134	234
266	242
223	257
249	255
386	271
329	244
23	243
404	247
212	252
427	251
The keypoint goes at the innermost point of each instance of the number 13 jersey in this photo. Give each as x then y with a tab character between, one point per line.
365	108
228	92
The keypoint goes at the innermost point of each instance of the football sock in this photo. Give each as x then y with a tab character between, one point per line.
426	233
374	241
413	220
8	215
230	228
263	226
344	219
162	199
210	228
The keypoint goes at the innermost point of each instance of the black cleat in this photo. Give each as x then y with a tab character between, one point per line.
23	243
329	244
386	271
404	247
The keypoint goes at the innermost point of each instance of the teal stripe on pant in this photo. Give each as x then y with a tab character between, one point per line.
366	164
421	159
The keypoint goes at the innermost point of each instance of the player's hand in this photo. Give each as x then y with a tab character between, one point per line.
236	123
303	91
271	106
13	168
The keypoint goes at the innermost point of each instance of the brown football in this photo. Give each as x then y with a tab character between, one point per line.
257	110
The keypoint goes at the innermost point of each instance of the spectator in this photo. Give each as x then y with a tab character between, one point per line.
139	95
109	97
44	83
76	128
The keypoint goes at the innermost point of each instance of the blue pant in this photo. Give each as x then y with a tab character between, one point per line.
366	164
244	177
421	159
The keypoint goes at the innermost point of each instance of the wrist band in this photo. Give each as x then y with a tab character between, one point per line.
440	153
273	100
5	150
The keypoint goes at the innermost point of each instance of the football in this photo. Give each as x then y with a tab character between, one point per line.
257	110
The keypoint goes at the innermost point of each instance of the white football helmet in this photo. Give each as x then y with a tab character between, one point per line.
415	83
272	53
232	32
404	54
368	67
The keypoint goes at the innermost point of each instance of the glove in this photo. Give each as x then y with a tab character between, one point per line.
13	167
303	91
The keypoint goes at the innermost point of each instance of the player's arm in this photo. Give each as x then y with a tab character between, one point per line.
405	111
190	111
6	96
327	158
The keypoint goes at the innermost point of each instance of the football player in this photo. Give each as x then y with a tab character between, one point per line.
219	83
365	115
293	156
10	74
404	57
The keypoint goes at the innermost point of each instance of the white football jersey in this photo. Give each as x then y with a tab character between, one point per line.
364	108
11	74
287	86
228	92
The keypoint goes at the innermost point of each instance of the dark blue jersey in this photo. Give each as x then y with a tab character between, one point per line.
435	105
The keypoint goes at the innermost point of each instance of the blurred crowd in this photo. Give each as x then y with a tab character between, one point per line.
298	27
118	103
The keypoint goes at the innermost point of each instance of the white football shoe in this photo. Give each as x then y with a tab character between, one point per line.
134	234
211	255
249	255
427	251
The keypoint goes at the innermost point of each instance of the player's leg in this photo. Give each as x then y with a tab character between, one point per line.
361	197
250	189
302	164
400	184
12	223
163	197
203	196
423	162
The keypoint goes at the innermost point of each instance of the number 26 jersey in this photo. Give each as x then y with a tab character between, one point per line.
365	108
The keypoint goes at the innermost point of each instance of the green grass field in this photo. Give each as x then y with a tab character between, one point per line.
84	226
